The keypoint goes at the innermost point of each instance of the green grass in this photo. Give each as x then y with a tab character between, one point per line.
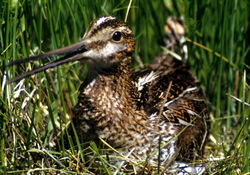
34	113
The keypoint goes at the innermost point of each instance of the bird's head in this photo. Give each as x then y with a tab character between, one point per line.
107	41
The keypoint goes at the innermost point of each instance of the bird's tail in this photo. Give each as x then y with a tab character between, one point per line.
175	52
174	40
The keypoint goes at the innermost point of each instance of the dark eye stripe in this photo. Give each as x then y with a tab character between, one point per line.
98	44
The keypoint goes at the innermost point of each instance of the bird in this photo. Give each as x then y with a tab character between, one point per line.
158	114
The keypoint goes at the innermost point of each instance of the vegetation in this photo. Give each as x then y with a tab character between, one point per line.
35	111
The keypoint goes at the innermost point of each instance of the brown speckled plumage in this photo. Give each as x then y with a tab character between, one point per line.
112	106
160	108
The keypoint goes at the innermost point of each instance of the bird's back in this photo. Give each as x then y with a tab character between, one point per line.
167	88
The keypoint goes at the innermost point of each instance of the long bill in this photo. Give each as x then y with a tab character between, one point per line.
74	52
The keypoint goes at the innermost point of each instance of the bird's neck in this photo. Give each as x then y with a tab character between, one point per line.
111	95
111	89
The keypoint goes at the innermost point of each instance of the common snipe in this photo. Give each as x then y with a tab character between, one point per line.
158	114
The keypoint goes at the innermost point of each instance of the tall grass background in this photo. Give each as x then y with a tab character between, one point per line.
37	109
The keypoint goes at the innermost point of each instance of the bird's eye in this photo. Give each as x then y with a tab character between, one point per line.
117	36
